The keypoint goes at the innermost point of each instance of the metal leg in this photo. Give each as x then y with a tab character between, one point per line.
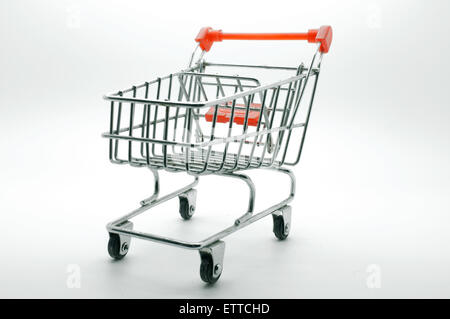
212	248
155	194
291	175
115	225
251	201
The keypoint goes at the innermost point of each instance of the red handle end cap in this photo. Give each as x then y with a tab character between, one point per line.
207	36
324	36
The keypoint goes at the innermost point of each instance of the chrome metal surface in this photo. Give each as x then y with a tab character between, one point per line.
125	240
116	224
155	194
115	227
166	119
251	201
210	123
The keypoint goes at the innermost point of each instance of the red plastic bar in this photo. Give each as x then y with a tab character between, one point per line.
224	115
324	35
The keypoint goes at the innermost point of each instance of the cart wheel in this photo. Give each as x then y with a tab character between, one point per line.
187	204
114	247
212	262
207	272
282	222
118	245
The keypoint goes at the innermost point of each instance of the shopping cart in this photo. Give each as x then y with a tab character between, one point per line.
202	123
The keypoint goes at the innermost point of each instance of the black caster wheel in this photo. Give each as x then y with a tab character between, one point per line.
118	245
280	230
186	210
114	247
187	204
208	272
212	262
282	223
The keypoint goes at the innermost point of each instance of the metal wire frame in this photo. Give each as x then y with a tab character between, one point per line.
162	124
171	131
248	218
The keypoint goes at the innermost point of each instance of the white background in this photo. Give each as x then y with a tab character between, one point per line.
373	182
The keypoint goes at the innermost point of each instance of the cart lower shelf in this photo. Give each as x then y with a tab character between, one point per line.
217	161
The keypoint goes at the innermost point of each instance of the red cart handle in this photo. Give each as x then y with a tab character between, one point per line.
207	36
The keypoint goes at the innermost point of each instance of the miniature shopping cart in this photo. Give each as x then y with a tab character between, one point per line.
203	122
